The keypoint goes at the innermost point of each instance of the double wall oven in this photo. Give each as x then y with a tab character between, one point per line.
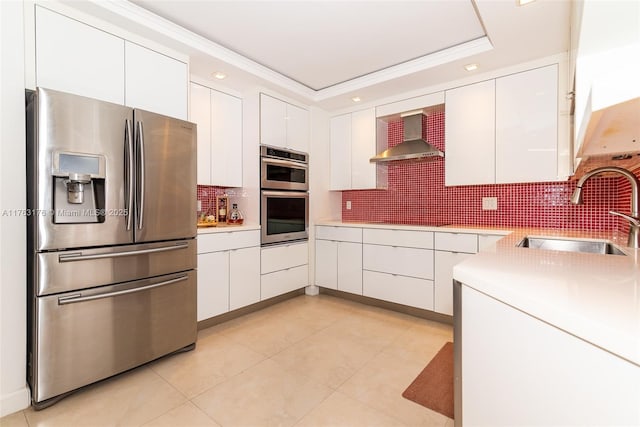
284	202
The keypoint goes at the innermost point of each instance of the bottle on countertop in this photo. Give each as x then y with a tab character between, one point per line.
222	213
235	216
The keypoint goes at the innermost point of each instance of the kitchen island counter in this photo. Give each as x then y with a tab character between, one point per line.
593	297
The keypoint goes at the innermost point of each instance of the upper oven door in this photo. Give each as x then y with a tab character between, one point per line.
280	174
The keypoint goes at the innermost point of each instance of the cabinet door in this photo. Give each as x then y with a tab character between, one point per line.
226	140
201	115
327	264
283	281
363	147
349	267
213	284
155	82
272	121
443	292
470	134
244	277
76	58
297	128
340	153
527	126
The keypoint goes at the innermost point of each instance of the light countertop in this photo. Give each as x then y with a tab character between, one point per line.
449	228
591	296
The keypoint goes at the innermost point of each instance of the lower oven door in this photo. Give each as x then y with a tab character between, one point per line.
85	336
284	216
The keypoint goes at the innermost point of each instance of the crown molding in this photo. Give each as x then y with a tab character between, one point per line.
193	43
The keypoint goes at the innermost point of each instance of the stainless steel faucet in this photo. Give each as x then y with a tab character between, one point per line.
634	221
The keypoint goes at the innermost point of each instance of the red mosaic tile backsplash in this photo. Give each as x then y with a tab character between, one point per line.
416	195
207	196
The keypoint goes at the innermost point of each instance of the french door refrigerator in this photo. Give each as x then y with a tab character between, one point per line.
111	204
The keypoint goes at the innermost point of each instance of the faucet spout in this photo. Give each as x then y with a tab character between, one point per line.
634	221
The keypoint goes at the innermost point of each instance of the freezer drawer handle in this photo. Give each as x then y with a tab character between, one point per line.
77	256
79	298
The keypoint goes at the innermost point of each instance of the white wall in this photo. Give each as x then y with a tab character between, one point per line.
14	393
323	204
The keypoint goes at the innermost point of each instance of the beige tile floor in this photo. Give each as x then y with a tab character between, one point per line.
308	361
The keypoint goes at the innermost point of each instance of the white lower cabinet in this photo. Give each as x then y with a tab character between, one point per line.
443	284
339	258
405	290
283	281
244	277
228	271
451	248
283	268
399	274
213	284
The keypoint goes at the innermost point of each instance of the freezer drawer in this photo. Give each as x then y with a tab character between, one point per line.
86	268
83	337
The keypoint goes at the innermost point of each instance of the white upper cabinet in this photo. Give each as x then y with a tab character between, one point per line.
155	82
505	130
353	143
340	148
283	125
219	119
76	58
363	147
527	126
226	140
201	116
297	124
470	134
607	88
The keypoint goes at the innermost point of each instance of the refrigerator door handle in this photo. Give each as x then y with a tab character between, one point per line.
141	175
77	256
79	298
129	175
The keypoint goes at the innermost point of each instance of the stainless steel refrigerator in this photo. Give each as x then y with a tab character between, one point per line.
111	205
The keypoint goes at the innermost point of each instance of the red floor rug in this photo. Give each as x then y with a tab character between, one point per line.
433	387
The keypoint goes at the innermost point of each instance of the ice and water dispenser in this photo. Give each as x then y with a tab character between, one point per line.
78	191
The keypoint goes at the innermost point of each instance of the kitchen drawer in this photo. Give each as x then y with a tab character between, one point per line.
457	242
399	289
410	239
342	234
283	281
396	260
227	240
281	257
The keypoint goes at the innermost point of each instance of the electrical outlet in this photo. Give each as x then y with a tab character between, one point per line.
199	205
489	203
348	205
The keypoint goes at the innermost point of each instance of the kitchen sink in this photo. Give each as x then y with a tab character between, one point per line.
570	245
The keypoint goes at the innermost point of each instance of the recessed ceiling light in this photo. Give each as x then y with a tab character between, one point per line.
219	75
471	67
523	2
356	99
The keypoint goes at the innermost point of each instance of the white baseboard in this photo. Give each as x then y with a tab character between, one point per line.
15	401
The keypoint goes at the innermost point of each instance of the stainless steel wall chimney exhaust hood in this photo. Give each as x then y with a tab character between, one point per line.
413	146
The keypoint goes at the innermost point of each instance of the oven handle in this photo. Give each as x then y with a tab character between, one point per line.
285	163
269	193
